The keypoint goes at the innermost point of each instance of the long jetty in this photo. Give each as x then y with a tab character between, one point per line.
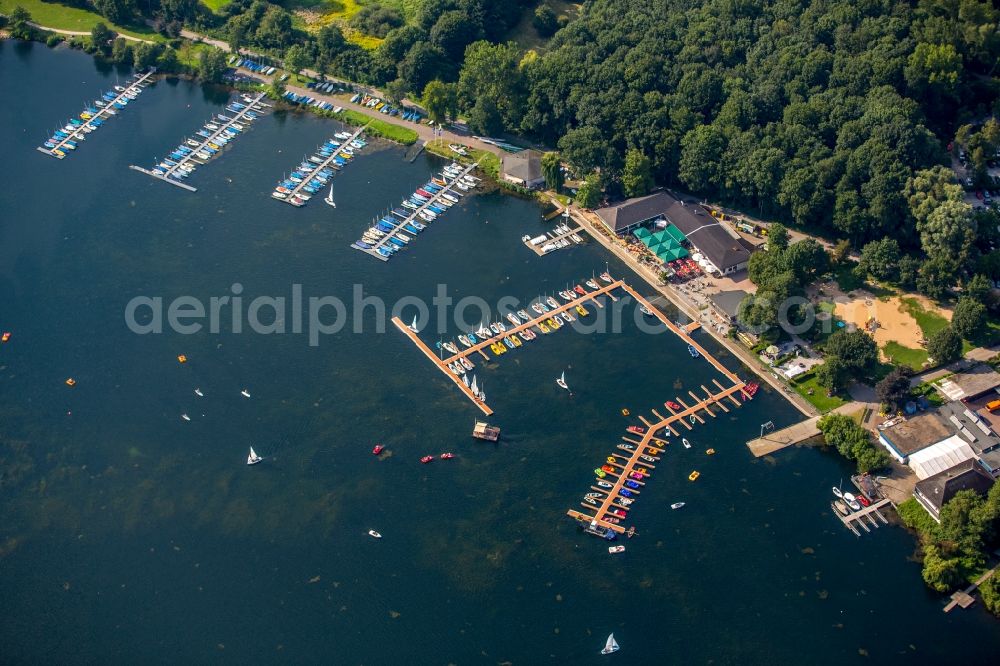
442	363
373	250
103	112
190	157
324	164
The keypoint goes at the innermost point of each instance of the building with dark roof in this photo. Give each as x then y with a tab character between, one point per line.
970	384
523	168
726	251
727	303
936	491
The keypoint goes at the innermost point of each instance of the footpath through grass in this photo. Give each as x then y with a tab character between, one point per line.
61	17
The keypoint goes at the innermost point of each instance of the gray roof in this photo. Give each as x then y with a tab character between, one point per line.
941	487
625	214
971	383
708	235
729	301
525	165
970	426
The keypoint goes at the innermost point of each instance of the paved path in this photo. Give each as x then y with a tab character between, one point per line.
81	33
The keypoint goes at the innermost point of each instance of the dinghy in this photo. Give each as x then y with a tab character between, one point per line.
374	534
676	505
687	444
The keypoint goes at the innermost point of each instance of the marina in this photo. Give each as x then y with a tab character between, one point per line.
316	171
424	206
503	338
93	116
210	141
864	517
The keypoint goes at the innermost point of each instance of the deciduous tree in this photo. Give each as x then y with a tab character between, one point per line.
945	346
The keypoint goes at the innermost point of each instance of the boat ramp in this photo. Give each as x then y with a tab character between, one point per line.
94	116
331	155
216	134
419	212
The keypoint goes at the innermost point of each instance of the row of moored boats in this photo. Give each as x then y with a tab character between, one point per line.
313	174
397	228
209	141
382	106
93	115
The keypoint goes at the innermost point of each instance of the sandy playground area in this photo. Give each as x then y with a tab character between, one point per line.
894	322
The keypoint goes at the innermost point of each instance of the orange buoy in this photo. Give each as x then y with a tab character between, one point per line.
70	382
182	359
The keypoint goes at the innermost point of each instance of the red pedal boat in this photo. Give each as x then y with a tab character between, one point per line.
378	449
580	290
673	405
638	430
426	459
750	388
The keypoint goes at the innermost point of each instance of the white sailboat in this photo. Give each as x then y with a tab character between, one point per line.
474	387
413	326
253	458
245	393
610	646
198	393
465	378
562	381
329	197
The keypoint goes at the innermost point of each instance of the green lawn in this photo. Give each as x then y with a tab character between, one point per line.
929	322
215	5
488	162
53	15
806	383
900	355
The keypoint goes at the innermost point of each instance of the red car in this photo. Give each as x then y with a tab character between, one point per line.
426	459
378	449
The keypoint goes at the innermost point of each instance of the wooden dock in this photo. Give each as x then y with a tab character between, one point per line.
563	235
322	165
779	439
650	443
167	175
103	113
964	598
443	363
373	250
865	518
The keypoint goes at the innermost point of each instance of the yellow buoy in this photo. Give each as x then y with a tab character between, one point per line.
70	382
182	359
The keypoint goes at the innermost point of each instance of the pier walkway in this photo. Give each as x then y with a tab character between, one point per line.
103	113
168	175
555	237
322	165
373	250
865	517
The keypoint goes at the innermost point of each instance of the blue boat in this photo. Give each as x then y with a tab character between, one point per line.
694	352
472	338
361	244
412	229
384	252
400	212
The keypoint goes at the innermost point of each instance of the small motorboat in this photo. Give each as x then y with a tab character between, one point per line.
447	456
600	473
673	405
852	502
615	549
676	505
378	449
253	458
625	411
694	352
580	290
864	500
687	444
710	452
198	393
837	492
841	507
693	475
605	484
638	430
609	469
373	534
185	417
646	311
5	337
632	484
245	393
426	459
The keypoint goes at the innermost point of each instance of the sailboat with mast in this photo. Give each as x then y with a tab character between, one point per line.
413	326
611	645
253	458
329	197
562	381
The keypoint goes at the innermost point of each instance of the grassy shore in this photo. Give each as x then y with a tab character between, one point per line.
61	17
489	162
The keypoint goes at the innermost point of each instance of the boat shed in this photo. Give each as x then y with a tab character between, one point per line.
935	491
523	168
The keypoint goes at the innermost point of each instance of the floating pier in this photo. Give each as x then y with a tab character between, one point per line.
169	174
647	448
373	248
96	119
339	152
442	363
865	518
553	240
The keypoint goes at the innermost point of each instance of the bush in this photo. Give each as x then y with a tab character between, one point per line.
54	39
990	592
852	441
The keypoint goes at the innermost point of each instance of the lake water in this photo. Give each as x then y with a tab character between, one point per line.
130	535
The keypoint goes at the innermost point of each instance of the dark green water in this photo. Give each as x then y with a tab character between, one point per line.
129	535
